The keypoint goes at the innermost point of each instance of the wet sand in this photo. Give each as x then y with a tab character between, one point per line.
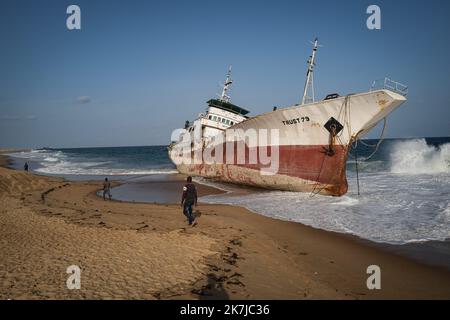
162	189
147	251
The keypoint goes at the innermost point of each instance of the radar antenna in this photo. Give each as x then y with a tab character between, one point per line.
226	86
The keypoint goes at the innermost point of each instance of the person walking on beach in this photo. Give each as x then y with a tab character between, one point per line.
189	199
106	189
25	166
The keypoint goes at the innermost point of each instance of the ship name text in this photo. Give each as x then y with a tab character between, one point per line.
296	121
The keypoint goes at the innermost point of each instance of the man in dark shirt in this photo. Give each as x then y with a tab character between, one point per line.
189	199
107	189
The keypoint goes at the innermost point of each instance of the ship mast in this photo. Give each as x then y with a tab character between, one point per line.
226	86
308	92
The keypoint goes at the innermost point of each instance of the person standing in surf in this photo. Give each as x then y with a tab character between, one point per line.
189	199
106	189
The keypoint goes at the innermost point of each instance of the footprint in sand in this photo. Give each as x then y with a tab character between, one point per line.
142	227
236	242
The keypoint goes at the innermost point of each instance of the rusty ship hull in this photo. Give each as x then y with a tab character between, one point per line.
310	157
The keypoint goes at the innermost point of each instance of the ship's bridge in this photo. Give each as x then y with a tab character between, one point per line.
221	114
227	106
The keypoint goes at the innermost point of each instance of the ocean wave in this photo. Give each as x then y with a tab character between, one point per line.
24	154
59	162
421	240
346	201
417	157
51	159
93	168
367	166
39	155
101	171
391	209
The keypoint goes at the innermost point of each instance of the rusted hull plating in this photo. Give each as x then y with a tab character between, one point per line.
301	168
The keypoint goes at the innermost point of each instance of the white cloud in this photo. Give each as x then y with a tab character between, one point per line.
83	99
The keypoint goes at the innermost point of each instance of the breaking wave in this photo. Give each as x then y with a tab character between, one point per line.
67	168
417	157
125	161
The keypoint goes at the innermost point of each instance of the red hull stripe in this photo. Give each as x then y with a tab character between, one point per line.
306	162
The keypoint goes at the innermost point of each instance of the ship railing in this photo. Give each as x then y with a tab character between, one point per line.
391	85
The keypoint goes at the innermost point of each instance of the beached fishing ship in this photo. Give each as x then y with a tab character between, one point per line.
314	137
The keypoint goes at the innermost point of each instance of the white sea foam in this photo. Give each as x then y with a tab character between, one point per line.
51	159
95	168
416	157
105	172
56	162
346	201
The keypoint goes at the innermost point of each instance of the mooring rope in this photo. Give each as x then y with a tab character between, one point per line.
357	170
376	146
380	140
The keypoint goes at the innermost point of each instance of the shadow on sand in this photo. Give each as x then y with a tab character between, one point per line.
213	290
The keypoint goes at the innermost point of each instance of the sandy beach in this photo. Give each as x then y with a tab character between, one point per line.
147	251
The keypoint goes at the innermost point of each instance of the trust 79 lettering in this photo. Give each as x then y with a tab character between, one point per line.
296	120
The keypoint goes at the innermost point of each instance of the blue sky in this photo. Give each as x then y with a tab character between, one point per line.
138	69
